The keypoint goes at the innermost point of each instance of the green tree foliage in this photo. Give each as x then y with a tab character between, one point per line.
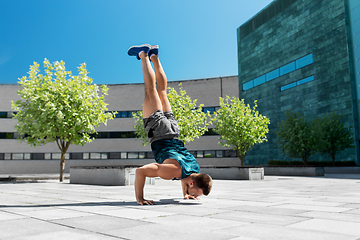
295	137
192	121
239	125
332	136
59	107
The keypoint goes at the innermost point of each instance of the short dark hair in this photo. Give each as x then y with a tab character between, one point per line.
204	182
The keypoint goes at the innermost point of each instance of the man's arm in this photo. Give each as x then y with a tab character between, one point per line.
140	177
166	171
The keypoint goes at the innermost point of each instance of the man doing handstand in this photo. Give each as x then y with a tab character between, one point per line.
173	161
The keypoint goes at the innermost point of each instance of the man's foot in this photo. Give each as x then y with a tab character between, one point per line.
154	50
135	50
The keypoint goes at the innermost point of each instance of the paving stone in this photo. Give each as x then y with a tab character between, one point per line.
13	229
55	213
268	210
333	226
4	216
246	217
170	231
68	234
313	208
331	216
260	232
136	213
99	223
188	222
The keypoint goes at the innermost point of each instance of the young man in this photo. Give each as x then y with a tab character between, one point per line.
173	161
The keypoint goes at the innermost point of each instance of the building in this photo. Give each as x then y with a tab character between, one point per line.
116	143
301	55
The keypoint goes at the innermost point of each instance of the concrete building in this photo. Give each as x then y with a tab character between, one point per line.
116	143
301	55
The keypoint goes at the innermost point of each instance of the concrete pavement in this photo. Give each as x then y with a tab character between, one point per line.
275	208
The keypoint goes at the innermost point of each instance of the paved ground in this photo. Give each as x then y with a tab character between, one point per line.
275	208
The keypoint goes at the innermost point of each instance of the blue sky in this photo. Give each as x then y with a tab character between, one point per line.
197	38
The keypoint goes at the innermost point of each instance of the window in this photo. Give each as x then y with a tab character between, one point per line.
292	66
305	80
209	109
117	135
219	154
273	74
287	68
38	156
208	154
229	153
304	61
248	85
200	154
294	84
95	156
17	156
124	114
259	80
3	114
133	155
291	85
76	155
114	155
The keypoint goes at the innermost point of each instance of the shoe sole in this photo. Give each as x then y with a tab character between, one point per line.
134	50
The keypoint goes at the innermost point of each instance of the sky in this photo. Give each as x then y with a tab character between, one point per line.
197	38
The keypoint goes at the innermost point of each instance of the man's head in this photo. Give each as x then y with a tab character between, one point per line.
201	184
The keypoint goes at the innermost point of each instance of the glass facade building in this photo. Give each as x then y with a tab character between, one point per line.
301	55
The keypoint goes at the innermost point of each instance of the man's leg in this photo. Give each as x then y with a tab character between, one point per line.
161	81
152	102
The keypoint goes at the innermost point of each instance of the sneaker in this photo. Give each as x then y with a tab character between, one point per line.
135	50
154	50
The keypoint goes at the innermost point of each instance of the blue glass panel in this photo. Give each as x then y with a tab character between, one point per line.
291	85
124	114
209	109
272	75
304	61
287	68
259	80
248	85
305	80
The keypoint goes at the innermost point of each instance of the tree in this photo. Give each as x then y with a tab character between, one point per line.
59	107
192	121
239	125
332	136
295	136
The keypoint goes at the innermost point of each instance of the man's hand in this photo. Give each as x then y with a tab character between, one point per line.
187	196
145	202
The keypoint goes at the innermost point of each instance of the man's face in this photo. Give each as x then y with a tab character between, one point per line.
194	191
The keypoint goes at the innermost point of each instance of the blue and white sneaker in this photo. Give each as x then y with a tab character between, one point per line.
154	50
135	50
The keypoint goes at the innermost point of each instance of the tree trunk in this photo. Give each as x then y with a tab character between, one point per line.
304	158
241	157
63	146
62	166
333	158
